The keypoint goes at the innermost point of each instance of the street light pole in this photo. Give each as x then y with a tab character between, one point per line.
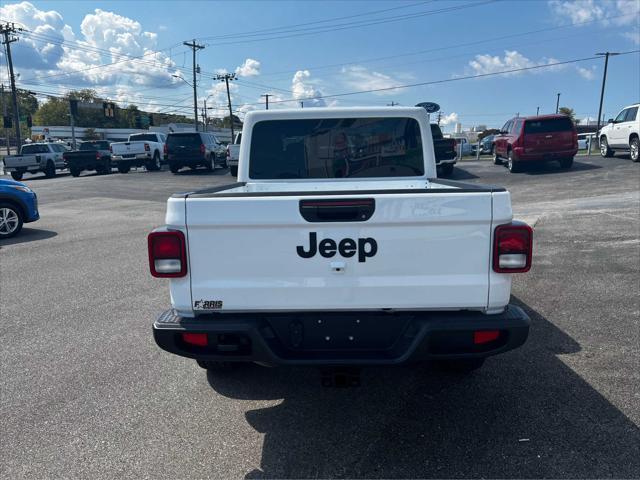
604	80
558	104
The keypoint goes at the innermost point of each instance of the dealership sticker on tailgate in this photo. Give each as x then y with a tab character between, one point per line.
207	304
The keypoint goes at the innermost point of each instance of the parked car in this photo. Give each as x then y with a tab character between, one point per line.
486	145
463	146
195	149
93	155
543	138
233	153
444	150
36	157
622	133
584	139
320	257
18	205
142	149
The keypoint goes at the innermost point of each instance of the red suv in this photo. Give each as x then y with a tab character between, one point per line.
542	138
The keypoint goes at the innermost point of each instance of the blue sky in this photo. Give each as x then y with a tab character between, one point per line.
335	47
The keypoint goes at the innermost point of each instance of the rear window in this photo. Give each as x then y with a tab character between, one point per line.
336	148
436	133
143	137
31	149
185	139
548	125
238	139
94	146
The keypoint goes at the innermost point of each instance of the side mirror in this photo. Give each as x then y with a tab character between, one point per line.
610	120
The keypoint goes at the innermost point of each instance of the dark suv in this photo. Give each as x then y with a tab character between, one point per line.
194	149
543	138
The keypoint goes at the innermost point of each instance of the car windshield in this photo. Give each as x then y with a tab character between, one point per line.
336	148
143	137
184	139
30	149
548	125
94	146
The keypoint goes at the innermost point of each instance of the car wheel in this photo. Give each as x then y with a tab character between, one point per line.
106	168
634	149
75	172
10	220
446	169
512	164
233	171
124	168
566	163
50	170
211	163
17	175
496	158
154	164
605	151
174	168
460	366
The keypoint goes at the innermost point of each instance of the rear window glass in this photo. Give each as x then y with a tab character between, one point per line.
143	137
548	125
436	133
94	146
238	138
30	149
336	148
186	139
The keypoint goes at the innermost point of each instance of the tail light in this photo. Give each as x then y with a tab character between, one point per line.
512	246
64	157
167	254
147	148
202	148
228	153
166	149
98	156
196	339
110	149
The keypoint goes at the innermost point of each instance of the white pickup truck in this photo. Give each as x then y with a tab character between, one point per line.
141	149
338	246
233	154
36	157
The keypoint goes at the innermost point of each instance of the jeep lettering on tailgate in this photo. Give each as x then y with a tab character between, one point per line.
348	247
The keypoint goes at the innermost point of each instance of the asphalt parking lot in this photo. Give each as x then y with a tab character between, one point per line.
86	393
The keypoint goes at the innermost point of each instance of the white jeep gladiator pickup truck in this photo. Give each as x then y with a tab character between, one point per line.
36	157
339	247
141	149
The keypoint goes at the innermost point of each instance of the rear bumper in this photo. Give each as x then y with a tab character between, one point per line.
23	168
342	338
137	158
522	155
186	161
445	161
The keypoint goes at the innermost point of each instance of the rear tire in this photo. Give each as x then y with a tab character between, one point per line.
106	168
634	149
605	151
10	220
446	169
124	168
17	176
566	163
496	159
50	170
75	172
233	171
461	366
154	164
211	163
512	164
174	168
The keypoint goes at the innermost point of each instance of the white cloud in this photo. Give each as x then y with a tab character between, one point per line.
360	78
447	119
512	60
618	12
302	87
587	73
250	68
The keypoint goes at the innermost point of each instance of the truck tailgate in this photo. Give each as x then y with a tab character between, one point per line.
15	161
432	251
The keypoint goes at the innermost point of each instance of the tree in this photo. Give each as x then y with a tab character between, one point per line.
91	134
569	112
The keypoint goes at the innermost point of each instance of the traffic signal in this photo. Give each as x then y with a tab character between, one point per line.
7	121
73	107
109	109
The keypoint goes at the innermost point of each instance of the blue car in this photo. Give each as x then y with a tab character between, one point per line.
18	205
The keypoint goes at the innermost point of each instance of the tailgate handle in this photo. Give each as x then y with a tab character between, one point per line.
344	210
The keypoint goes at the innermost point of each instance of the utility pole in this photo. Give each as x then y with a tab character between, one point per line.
225	78
604	80
194	47
6	30
266	97
204	114
392	104
72	111
537	111
558	104
439	117
301	104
